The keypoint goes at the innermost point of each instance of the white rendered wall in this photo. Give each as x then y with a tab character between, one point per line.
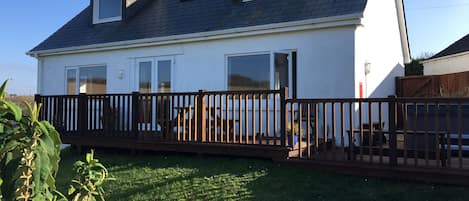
449	65
325	63
378	42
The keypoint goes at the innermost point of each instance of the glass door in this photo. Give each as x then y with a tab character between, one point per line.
282	62
283	70
154	76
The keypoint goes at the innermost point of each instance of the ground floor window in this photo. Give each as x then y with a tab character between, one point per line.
263	71
251	72
89	80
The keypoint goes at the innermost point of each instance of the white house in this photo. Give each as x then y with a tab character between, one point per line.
453	59
317	48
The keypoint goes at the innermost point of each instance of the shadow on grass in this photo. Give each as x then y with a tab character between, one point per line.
157	176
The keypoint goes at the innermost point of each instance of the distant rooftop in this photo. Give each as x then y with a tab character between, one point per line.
460	46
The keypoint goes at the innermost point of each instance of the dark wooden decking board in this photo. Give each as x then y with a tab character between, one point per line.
248	150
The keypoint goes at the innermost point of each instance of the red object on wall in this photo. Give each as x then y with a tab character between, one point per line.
361	89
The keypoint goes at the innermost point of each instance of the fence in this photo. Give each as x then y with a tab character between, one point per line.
449	85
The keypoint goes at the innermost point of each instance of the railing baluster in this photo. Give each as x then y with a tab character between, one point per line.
316	131
233	116
260	120
448	134
460	151
351	134
437	135
360	124
405	127
193	117
220	120
185	119
267	119
415	141
392	132
240	121
380	116
225	136
292	125
246	118
300	134
308	130
334	140
253	119
426	125
370	132
342	130
275	121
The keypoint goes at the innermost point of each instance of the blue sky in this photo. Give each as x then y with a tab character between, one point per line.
432	25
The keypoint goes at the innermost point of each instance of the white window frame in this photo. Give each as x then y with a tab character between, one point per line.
272	66
77	76
97	20
154	71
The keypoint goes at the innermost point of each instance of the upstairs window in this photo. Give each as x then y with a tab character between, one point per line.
107	11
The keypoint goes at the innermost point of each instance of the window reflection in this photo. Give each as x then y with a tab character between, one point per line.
109	8
250	72
164	76
281	70
71	81
145	77
93	80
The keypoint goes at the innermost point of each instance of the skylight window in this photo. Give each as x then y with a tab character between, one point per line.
107	11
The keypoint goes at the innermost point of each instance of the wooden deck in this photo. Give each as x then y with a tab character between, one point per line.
229	149
411	141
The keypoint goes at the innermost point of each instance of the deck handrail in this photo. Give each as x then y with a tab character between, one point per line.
406	131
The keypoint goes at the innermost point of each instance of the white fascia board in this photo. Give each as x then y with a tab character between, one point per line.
403	31
445	57
318	23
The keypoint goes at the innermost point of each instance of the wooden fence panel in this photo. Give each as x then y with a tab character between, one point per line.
449	85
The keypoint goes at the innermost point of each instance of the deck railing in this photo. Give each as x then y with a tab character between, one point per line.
429	132
232	117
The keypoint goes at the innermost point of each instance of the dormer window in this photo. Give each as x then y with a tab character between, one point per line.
107	11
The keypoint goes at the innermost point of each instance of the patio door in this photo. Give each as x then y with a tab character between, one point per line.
282	75
283	70
154	75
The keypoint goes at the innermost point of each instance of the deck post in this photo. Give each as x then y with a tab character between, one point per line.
201	117
82	114
37	100
283	115
392	131
135	113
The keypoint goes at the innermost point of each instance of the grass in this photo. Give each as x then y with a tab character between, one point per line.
154	176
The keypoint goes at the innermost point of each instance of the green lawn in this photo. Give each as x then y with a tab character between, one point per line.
155	176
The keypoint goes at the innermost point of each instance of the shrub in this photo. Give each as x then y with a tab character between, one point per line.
89	179
30	155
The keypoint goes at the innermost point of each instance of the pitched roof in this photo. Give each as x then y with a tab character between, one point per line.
159	18
460	46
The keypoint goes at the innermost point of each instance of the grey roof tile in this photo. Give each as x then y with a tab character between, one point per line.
158	18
